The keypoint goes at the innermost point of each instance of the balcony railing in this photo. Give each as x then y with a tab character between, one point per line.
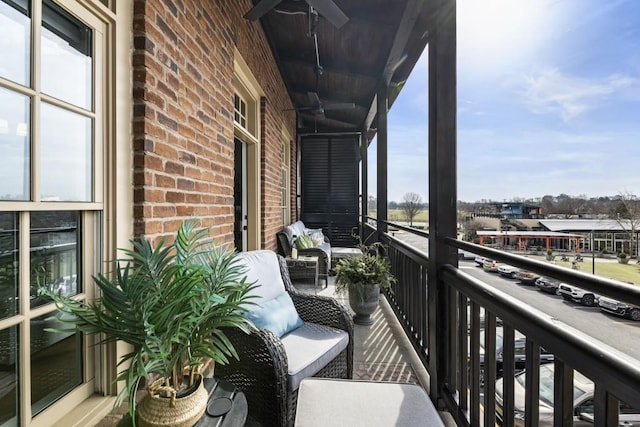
446	336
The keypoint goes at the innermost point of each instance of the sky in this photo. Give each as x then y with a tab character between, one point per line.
548	103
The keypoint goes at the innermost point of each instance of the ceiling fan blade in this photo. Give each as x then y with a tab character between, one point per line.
260	9
315	114
330	11
314	99
339	106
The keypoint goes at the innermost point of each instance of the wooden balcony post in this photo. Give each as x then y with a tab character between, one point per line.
442	188
364	188
383	91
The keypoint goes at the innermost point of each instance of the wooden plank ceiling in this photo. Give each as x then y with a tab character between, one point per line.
334	89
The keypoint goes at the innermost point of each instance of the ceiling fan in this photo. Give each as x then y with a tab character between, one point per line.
317	108
326	8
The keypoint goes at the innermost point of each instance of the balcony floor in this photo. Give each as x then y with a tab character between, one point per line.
381	352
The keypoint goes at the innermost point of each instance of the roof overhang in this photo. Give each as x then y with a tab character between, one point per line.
346	66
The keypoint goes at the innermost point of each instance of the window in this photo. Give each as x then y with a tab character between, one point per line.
51	116
285	185
240	111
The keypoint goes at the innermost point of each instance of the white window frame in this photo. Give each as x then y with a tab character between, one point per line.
95	240
247	86
285	161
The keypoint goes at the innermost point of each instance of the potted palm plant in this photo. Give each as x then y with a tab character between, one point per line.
169	302
362	277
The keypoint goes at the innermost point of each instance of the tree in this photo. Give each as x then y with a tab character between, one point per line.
372	203
411	205
627	214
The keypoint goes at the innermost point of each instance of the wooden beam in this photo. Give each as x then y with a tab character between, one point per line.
308	59
397	53
382	166
364	180
442	186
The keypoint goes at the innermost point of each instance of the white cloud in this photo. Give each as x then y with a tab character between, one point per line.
550	91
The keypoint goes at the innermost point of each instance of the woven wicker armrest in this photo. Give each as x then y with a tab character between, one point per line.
261	373
323	311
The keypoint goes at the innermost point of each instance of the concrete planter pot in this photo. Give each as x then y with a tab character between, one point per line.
363	300
623	260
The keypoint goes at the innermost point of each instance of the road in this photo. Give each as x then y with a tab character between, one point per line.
619	333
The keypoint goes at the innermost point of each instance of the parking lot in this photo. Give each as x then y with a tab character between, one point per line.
620	333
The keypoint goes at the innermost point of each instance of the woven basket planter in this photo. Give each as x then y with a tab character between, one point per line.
158	411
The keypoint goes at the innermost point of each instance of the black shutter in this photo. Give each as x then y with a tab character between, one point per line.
330	186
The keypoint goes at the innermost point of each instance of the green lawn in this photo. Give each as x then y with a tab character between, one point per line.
395	215
612	270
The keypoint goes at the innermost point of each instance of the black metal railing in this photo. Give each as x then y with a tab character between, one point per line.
467	388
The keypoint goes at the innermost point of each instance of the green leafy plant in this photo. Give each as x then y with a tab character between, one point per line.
366	270
549	252
622	255
171	303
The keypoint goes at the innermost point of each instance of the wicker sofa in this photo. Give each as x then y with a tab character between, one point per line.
286	240
270	368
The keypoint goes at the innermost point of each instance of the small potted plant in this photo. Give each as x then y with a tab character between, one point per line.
622	258
169	302
362	277
550	255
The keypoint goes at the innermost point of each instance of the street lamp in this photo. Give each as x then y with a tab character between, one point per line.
593	256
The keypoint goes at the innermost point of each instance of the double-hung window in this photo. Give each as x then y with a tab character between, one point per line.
51	199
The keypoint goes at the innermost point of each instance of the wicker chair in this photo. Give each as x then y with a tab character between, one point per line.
262	369
323	253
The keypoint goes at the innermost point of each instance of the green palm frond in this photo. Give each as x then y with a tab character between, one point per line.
170	302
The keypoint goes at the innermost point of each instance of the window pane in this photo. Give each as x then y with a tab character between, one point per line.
55	253
9	376
15	40
66	56
56	362
8	265
65	155
14	145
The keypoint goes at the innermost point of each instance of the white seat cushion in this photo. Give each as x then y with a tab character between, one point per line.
310	348
329	402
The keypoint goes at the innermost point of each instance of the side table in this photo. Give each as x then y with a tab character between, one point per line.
227	406
303	268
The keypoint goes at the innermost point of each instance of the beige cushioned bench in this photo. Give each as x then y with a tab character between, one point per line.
327	402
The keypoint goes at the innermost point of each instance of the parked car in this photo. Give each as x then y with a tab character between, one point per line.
479	260
465	255
547	284
619	308
490	265
519	352
577	294
583	394
508	271
527	277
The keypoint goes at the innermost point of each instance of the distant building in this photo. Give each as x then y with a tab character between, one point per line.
509	210
573	235
603	235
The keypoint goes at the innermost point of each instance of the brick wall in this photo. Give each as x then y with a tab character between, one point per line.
183	115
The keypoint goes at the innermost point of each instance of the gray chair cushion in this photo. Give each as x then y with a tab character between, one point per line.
263	268
329	402
310	348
